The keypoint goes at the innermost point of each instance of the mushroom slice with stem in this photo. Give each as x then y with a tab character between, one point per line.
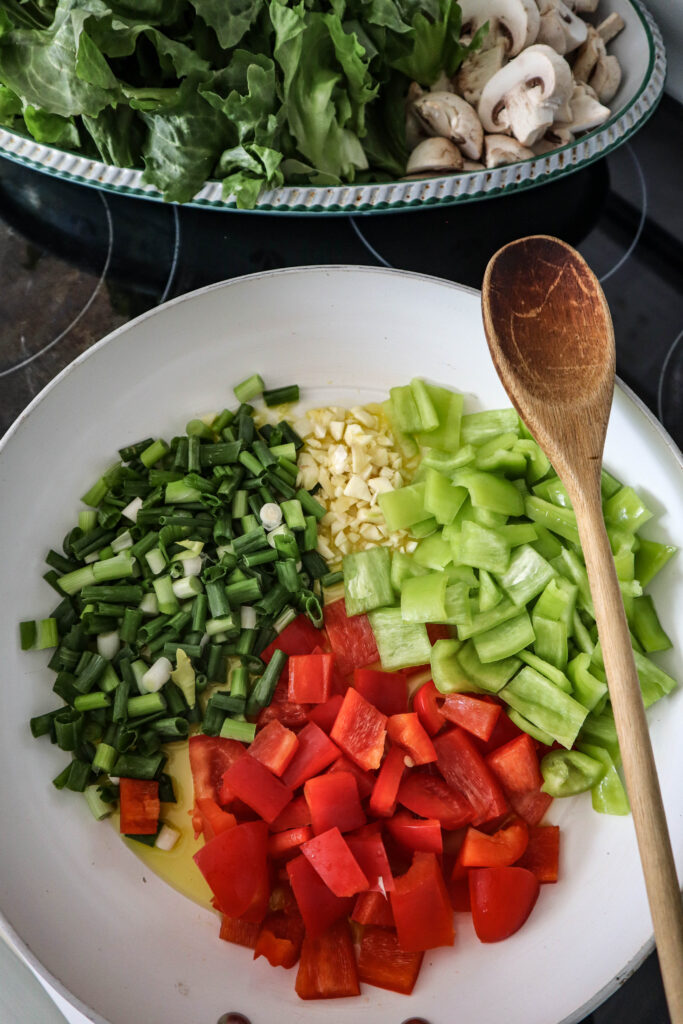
584	6
553	139
527	95
476	71
587	111
560	27
432	156
502	149
610	27
451	117
515	22
593	66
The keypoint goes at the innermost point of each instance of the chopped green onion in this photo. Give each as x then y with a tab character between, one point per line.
153	453
233	729
280	396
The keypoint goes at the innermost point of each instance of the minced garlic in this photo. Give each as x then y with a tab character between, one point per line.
354	457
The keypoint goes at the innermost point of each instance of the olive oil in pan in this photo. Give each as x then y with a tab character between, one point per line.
176	866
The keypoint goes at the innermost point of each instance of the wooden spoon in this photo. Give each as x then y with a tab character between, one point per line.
551	340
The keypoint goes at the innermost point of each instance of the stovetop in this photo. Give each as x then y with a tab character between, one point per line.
76	263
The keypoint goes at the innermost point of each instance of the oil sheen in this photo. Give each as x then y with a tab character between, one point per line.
176	866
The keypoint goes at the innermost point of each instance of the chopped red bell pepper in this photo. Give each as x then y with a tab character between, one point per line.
429	796
331	857
210	758
315	752
382	961
213	819
242	933
438	631
542	854
281	709
499	850
310	678
274	746
235	867
531	806
318	905
479	717
425	703
502	899
295	815
416	833
385	791
421	908
257	787
464	769
373	908
368	849
364	780
515	765
285	844
360	730
325	714
388	691
140	807
333	800
299	637
459	892
351	638
503	731
280	938
408	732
327	969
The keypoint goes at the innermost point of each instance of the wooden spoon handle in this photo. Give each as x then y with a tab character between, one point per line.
636	750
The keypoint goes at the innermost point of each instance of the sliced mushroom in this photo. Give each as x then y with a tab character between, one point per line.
434	155
610	27
527	95
593	66
451	117
588	56
476	71
606	78
501	149
515	22
472	165
553	139
559	27
584	6
587	111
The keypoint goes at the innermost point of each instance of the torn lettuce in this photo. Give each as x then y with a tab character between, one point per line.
254	92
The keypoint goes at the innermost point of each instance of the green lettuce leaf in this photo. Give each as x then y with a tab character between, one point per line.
183	143
246	93
51	129
247	170
117	135
230	19
257	92
10	106
41	66
322	107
